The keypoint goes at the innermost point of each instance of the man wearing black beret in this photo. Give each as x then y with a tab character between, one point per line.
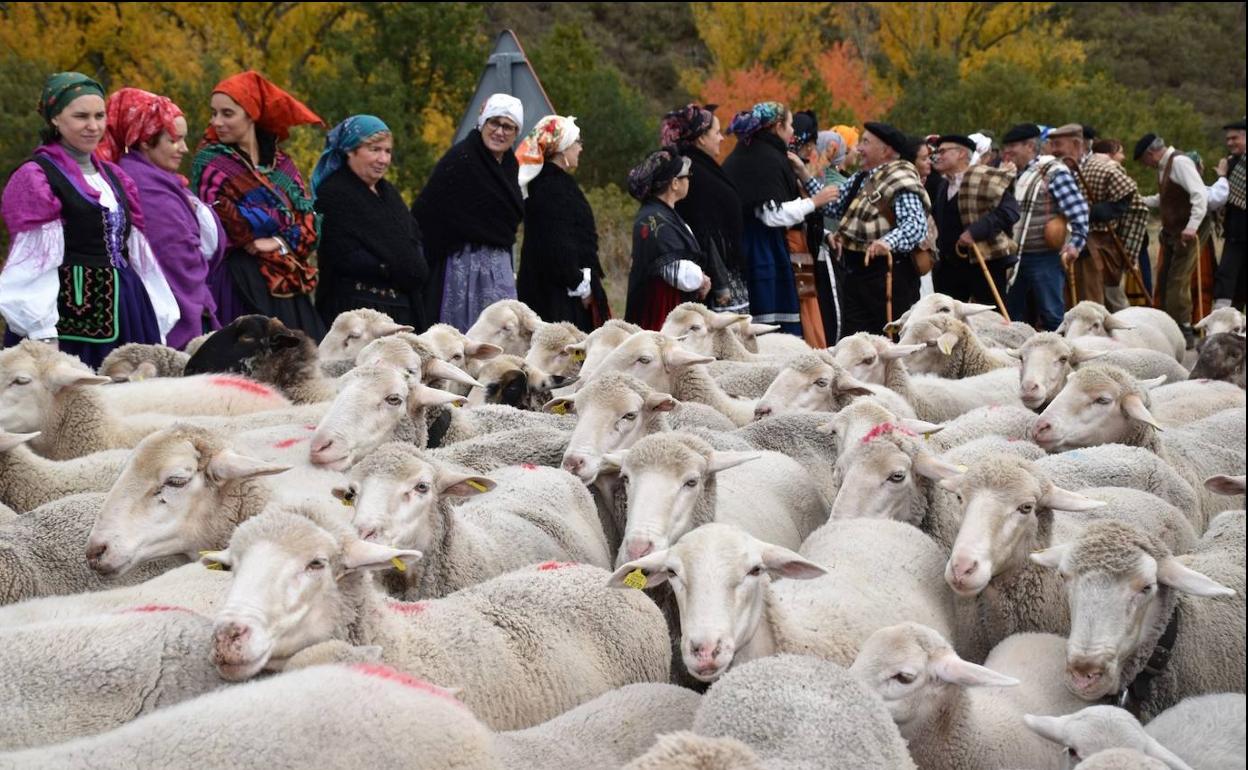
974	208
883	211
1181	199
1229	281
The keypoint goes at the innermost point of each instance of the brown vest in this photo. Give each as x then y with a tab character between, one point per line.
1176	204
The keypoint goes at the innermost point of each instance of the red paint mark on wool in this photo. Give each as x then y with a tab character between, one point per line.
288	443
554	565
406	608
156	608
884	429
528	466
243	384
407	680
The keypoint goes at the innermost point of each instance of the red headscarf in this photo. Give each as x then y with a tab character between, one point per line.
134	115
272	109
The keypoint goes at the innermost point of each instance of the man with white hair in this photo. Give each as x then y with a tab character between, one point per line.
1181	200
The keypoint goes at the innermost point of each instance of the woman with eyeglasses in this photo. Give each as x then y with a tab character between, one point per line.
469	211
668	264
560	276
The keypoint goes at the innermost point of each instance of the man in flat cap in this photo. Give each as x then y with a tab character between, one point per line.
974	208
883	212
1181	199
1228	191
1118	218
1045	190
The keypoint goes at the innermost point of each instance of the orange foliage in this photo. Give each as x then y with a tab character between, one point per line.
740	90
847	79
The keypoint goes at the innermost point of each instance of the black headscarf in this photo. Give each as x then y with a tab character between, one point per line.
712	209
761	172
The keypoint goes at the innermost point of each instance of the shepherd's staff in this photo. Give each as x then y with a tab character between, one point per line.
992	286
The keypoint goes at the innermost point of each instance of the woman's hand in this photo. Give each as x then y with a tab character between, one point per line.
825	196
799	167
262	245
705	288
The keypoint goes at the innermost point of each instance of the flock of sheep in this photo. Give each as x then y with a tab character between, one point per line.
705	547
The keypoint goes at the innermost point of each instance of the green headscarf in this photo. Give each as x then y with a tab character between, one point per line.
61	88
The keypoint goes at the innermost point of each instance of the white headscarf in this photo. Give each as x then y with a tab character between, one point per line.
551	135
983	145
502	106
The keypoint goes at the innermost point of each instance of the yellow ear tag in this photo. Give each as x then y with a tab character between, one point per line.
214	565
963	469
578	355
635	579
945	346
476	485
398	564
457	404
560	408
347	501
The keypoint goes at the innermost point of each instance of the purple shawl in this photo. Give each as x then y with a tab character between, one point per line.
173	232
29	201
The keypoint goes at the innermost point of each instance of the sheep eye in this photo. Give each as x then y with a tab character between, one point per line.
457	356
22	380
903	677
177	481
1146	590
422	487
353	336
349	495
691	483
758	570
1026	509
630	416
1063	360
1104	400
695	328
822	382
868	361
1074	755
644	360
316	564
394	399
624	479
897	477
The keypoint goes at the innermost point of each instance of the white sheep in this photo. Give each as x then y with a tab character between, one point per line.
816	383
741	379
135	361
953	714
707	333
508	379
839	590
685	750
406	499
599	343
28	480
782	345
1135	327
1121	759
507	323
353	329
1130	597
84	676
550	349
1104	405
951	349
799	713
1182	403
1049	358
749	332
525	646
1224	319
332	717
674	484
41	552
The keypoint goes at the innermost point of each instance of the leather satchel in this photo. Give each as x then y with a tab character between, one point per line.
1055	231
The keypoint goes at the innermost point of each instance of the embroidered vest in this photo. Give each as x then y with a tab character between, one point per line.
94	236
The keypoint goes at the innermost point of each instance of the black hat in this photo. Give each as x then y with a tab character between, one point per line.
890	136
805	127
1237	125
965	141
1021	133
1089	133
913	143
1142	146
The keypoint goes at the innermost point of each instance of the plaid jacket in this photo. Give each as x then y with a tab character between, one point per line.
1101	180
864	221
980	193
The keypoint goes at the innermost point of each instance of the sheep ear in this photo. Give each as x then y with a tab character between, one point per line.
1013	353
218	560
386	329
1151	383
827	428
676	357
437	369
10	440
561	405
1113	323
1202	323
66	375
1222	485
653	567
660	402
930	466
894	327
228	465
947	342
760	329
1134	407
283	340
1052	557
847	385
720	321
1064	500
899	351
781	562
464	484
362	555
1049	728
1082	355
722	461
1178	575
966	309
145	370
421	395
921	427
1154	749
1063	326
481	350
948	667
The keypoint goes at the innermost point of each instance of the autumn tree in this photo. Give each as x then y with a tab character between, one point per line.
742	89
848	84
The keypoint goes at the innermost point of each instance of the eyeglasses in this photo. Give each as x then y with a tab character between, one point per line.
496	125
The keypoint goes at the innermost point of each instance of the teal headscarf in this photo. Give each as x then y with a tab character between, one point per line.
61	88
343	138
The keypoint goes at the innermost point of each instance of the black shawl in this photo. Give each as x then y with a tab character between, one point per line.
370	251
560	239
712	209
660	237
470	198
761	172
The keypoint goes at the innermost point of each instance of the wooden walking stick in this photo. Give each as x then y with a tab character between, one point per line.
992	286
888	290
1070	279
